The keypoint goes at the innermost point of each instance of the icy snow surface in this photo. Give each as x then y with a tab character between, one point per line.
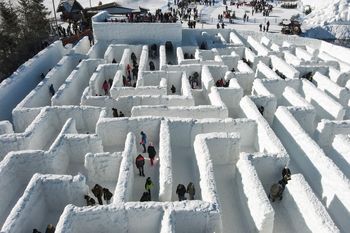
55	148
331	21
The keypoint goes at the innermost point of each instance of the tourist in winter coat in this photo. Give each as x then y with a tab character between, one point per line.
128	69
115	112
133	56
107	195
191	190
135	71
51	90
143	141
151	66
89	200
286	172
98	192
180	191
50	229
105	87
149	186
151	152
173	89
140	162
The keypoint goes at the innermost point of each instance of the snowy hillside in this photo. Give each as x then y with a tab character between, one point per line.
329	22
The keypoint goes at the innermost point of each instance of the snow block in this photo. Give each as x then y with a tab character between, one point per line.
254	195
300	202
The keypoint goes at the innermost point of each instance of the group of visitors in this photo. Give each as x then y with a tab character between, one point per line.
140	163
73	28
208	2
194	80
222	25
99	192
116	114
181	191
188	56
131	72
261	6
222	83
264	28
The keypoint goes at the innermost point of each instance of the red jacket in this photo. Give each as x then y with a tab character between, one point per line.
140	161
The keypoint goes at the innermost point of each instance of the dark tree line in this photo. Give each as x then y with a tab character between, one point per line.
23	28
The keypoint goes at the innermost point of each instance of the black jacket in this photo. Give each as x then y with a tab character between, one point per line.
151	151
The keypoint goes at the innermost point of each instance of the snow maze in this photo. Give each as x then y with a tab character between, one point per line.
55	148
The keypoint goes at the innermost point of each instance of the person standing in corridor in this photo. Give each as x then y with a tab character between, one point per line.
143	141
149	186
140	162
151	152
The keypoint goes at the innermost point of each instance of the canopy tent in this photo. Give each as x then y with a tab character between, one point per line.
69	6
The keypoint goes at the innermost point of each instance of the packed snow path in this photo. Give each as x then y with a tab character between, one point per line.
244	106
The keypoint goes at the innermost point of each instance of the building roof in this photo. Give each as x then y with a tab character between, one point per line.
116	9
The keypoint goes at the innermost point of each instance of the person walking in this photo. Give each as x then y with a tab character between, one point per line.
50	229
52	90
107	195
180	191
89	200
140	162
149	186
143	141
260	27
267	26
115	112
191	190
145	197
173	89
105	87
98	192
286	172
151	152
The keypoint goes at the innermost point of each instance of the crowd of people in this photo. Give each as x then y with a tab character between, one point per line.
158	17
73	28
261	6
222	83
116	114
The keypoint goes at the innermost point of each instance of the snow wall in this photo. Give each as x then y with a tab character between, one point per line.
40	199
135	33
333	188
27	77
